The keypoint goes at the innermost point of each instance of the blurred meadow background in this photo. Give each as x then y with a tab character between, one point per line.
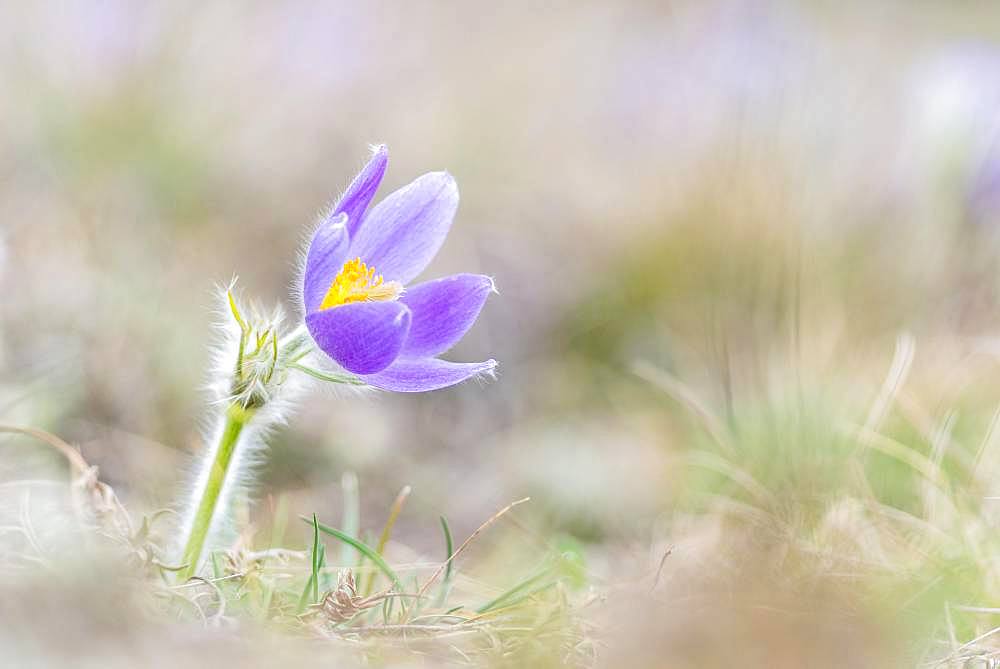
747	255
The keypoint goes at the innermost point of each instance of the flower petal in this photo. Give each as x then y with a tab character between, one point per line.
327	253
443	311
415	375
355	200
363	337
405	230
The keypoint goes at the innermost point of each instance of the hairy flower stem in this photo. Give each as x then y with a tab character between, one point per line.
236	418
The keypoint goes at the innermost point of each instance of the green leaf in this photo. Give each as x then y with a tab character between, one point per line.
327	376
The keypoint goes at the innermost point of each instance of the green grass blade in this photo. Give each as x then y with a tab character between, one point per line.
304	598
264	601
362	568
351	518
279	522
516	590
449	547
325	376
322	577
507	603
216	568
315	561
364	549
311	591
394	511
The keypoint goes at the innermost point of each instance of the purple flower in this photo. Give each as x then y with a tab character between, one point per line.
357	265
983	193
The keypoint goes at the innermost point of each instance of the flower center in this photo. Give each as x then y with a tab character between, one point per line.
356	282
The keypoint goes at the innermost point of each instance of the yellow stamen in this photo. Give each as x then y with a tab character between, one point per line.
356	282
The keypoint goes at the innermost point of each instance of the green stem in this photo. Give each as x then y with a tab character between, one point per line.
236	419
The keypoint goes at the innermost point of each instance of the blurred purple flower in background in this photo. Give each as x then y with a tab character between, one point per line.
954	131
357	264
983	195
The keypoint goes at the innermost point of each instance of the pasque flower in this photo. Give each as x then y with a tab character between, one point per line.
358	312
358	307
